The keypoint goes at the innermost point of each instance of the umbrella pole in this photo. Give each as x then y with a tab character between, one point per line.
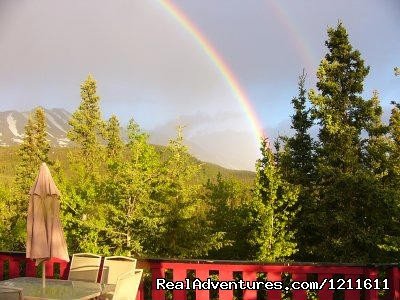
44	274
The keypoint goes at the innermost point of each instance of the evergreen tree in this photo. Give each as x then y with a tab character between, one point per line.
297	162
383	157
391	183
115	143
298	165
184	229
129	188
85	213
376	144
274	210
339	107
230	208
87	130
351	207
33	150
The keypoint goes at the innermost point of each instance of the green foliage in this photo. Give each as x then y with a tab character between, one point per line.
85	218
184	229
297	163
351	203
115	144
348	179
377	143
332	199
117	197
128	188
11	225
339	108
88	130
391	181
230	204
275	210
33	151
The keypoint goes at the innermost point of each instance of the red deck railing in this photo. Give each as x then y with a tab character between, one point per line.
13	264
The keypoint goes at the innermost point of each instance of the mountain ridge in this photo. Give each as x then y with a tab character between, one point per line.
12	126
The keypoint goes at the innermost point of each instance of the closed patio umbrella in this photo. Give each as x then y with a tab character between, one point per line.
45	238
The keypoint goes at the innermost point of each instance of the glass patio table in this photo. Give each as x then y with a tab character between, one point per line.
55	289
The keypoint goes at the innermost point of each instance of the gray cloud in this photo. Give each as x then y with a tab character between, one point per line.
135	50
212	138
150	68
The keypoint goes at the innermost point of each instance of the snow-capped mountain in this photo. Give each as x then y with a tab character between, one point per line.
202	146
12	124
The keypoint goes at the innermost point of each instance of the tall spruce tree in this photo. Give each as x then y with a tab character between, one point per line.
380	160
88	130
184	230
115	143
129	188
274	208
85	213
33	150
391	183
339	107
298	159
376	143
297	162
351	208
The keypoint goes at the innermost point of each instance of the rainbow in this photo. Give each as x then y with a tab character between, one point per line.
297	39
214	56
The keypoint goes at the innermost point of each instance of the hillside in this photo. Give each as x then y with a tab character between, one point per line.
9	158
12	124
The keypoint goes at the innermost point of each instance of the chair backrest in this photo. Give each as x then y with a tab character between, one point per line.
114	266
7	293
84	267
128	285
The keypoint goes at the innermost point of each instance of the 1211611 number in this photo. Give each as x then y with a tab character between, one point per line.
358	284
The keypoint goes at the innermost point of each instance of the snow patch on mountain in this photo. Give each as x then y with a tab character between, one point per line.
63	142
19	141
61	113
12	125
54	122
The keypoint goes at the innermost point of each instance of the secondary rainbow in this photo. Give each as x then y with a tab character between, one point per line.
233	83
297	39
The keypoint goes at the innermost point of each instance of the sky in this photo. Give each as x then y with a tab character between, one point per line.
150	67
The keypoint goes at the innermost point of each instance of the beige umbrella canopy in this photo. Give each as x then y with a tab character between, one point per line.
45	237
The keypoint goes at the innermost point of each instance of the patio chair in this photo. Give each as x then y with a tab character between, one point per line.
114	266
8	293
84	267
126	288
